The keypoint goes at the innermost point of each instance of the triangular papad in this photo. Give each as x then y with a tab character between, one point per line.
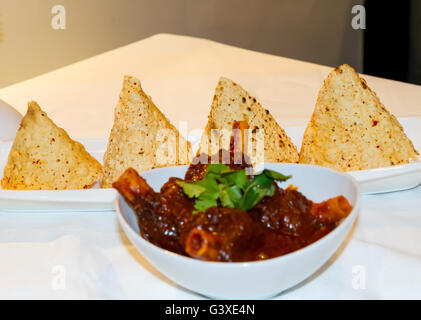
351	129
44	157
142	137
231	103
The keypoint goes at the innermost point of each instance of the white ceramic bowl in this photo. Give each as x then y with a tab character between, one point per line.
250	280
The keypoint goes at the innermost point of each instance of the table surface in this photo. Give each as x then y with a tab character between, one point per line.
86	255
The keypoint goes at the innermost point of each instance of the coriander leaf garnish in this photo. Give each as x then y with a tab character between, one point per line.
190	189
257	189
276	175
204	203
217	168
230	188
229	196
237	178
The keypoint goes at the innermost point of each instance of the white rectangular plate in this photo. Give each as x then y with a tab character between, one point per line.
373	181
94	199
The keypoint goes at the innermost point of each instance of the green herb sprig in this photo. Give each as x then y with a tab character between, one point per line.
230	188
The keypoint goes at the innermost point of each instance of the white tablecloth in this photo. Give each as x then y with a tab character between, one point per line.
86	255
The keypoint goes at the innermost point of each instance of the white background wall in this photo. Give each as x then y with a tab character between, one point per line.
312	30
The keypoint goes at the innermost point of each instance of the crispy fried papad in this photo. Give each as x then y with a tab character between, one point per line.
142	137
231	103
351	129
44	157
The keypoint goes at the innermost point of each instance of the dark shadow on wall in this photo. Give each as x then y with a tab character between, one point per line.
414	73
392	47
